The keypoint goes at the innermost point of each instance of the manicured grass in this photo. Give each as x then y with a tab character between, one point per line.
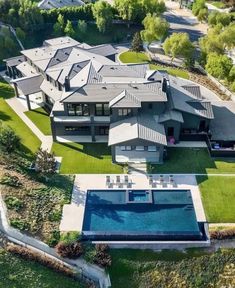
41	119
193	268
218	196
193	160
17	272
85	158
172	71
134	57
30	143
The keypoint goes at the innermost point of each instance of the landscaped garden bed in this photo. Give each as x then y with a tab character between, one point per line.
34	204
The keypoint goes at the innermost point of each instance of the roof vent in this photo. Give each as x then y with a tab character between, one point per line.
103	87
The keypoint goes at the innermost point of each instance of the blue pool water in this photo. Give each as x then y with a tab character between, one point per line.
139	196
170	212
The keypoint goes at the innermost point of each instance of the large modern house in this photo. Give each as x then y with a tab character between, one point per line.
135	110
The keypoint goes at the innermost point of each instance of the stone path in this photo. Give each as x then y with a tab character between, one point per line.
90	271
19	109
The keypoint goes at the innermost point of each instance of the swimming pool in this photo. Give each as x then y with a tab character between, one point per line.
166	215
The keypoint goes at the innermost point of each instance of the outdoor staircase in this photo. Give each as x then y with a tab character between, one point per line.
137	168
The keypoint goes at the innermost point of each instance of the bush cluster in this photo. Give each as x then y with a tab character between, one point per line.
71	250
98	254
222	234
11	180
13	202
32	255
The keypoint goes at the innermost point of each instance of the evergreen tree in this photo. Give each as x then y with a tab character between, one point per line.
137	44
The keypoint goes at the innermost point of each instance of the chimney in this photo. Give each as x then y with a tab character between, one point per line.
67	84
164	85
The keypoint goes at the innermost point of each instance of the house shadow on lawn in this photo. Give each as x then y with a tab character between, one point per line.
96	150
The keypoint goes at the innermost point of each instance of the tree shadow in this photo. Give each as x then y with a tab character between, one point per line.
4	116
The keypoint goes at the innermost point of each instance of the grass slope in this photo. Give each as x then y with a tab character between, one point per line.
19	273
193	268
134	57
85	158
192	160
41	119
218	197
30	143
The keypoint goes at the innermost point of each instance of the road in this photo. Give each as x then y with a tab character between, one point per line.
182	20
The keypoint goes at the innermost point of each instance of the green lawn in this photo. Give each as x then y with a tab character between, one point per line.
134	57
30	143
193	160
19	273
85	158
218	196
41	119
148	269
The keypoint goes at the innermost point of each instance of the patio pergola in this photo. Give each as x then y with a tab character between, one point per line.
28	86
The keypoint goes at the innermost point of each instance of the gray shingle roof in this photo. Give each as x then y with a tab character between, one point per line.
142	127
222	126
50	4
194	90
171	115
184	101
29	85
14	61
105	92
125	100
104	50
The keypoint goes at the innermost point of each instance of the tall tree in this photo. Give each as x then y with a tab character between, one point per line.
68	30
9	141
137	44
219	66
103	14
155	28
127	9
82	26
179	45
153	6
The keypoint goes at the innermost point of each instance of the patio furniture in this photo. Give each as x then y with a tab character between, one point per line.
126	180
118	181
150	180
108	181
161	180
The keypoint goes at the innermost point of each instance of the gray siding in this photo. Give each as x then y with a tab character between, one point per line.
192	121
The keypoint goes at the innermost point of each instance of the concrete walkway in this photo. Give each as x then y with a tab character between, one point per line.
19	109
90	271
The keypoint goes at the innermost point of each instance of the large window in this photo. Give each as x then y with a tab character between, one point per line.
82	129
103	130
102	110
124	112
78	110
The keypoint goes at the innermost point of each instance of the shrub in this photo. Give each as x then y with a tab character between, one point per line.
54	239
10	180
72	250
13	202
45	162
55	215
222	234
32	255
8	139
98	254
19	224
102	258
70	237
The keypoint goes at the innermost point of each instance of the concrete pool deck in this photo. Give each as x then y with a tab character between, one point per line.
72	217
